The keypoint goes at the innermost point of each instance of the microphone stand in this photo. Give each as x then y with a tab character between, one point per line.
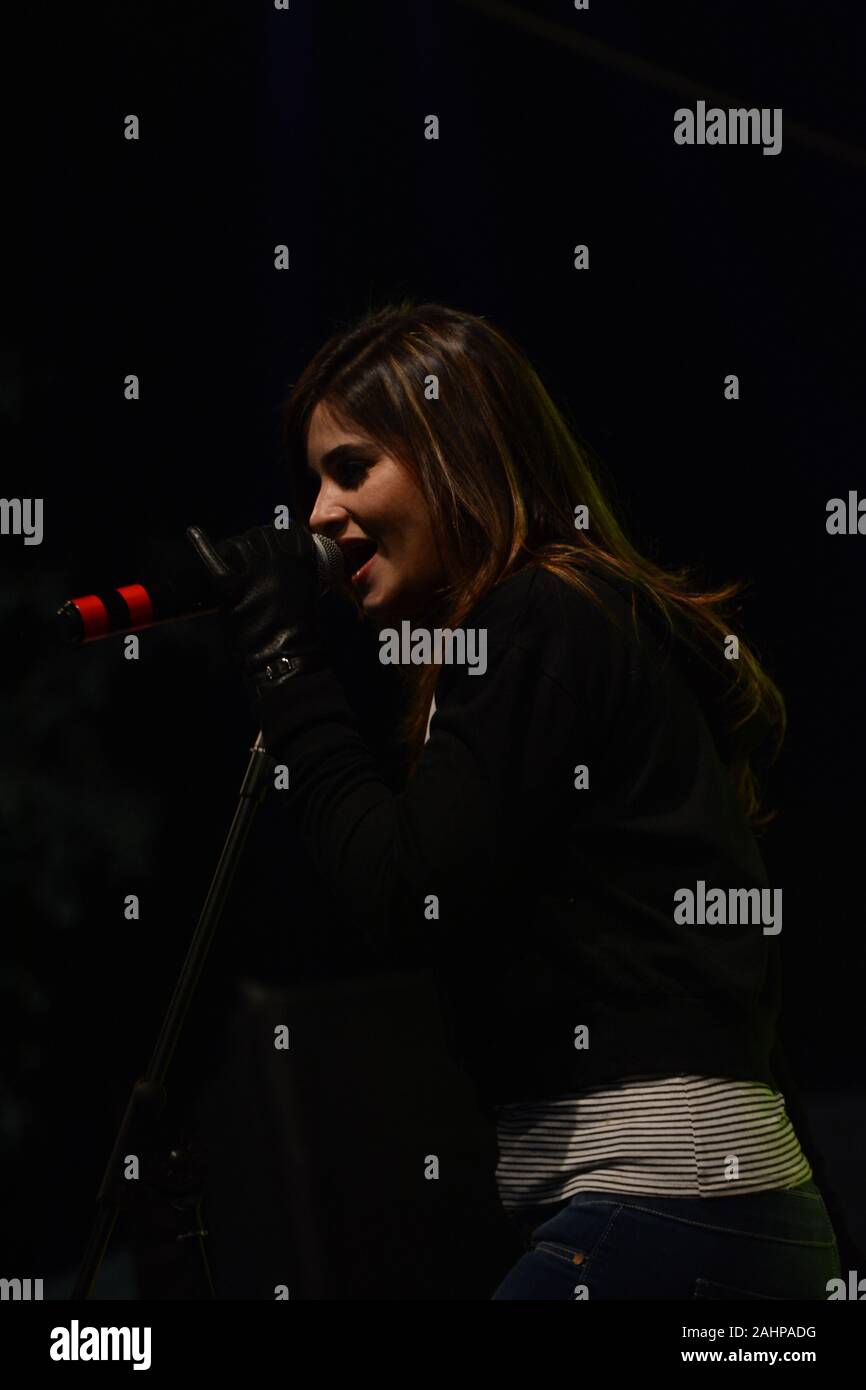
179	1176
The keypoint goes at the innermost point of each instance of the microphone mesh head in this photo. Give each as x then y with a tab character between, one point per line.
329	561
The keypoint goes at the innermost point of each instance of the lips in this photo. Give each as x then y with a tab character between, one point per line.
356	553
362	574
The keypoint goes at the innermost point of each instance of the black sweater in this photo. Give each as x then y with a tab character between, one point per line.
555	905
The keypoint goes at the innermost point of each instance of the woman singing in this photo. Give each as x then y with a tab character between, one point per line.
572	848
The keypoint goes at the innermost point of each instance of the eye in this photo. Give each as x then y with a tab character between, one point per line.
350	472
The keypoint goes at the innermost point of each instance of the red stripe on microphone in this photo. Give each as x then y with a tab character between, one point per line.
138	602
94	616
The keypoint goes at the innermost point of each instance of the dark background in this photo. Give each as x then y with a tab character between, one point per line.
155	257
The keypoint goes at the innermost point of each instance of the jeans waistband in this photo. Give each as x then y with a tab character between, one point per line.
786	1213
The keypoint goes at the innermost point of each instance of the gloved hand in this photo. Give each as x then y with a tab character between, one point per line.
268	582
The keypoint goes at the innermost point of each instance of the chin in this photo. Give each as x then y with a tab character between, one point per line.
380	613
386	610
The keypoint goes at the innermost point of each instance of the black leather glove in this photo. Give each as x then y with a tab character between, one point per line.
268	583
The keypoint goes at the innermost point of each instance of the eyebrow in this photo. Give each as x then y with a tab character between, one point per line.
341	452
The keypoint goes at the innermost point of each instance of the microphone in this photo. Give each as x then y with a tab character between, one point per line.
186	592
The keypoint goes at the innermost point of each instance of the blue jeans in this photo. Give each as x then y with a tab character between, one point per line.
608	1245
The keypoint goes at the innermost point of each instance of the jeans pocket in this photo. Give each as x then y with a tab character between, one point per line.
576	1234
707	1288
568	1253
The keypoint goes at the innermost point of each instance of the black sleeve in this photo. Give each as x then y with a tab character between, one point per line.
493	776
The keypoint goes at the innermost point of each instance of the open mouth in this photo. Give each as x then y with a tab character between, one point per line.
357	556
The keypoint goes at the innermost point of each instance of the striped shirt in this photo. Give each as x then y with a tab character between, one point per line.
676	1136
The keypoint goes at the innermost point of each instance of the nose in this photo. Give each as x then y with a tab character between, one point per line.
327	511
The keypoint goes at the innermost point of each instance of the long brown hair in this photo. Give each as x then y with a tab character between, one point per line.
502	472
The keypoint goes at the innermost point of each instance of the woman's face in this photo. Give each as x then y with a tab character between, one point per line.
371	506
